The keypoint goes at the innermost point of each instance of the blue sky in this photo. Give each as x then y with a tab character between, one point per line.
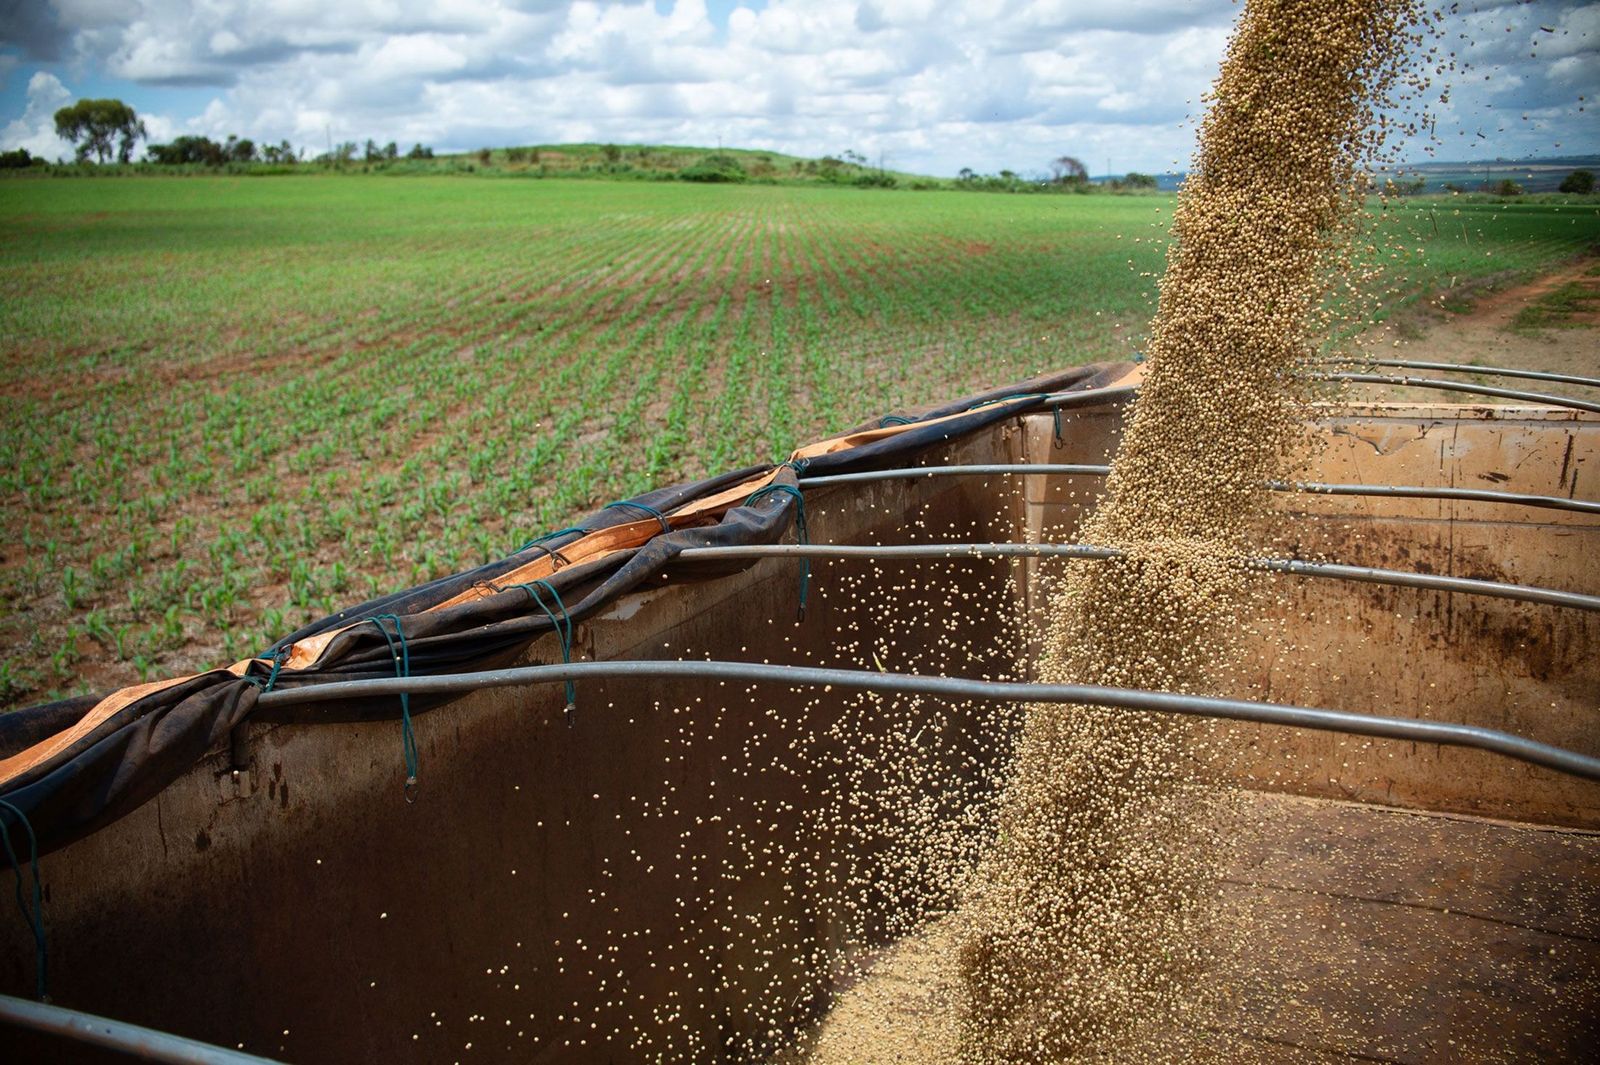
932	86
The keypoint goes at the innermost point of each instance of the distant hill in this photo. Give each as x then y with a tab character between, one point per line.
663	162
647	161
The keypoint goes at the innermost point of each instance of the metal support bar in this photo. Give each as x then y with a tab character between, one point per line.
873	551
1465	585
1096	396
1540	398
913	472
1407	491
146	1043
1090	398
1487	371
1433	582
1402	728
1056	400
1024	469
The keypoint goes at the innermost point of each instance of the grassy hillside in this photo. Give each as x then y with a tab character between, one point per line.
664	161
236	404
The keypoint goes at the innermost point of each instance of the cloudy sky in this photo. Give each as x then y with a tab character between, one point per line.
931	86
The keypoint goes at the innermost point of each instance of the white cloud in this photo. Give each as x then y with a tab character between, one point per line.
35	128
419	54
933	84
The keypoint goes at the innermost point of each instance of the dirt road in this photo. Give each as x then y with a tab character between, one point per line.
1551	323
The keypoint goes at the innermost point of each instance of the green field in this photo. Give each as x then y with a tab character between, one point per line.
235	404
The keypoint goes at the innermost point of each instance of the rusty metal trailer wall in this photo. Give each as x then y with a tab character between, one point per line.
1518	667
284	896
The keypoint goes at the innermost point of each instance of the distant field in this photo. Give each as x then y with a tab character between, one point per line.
234	404
1534	175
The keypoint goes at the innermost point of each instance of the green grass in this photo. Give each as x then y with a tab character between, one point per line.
1555	309
237	404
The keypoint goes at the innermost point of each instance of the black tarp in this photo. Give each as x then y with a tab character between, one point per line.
137	751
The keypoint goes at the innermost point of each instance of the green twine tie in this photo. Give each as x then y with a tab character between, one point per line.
643	508
402	668
562	623
551	536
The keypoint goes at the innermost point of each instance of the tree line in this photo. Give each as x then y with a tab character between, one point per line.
203	151
1064	174
105	128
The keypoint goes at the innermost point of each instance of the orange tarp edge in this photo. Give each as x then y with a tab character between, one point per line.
594	546
100	712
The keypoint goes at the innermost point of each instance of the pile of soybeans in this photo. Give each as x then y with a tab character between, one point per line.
1084	929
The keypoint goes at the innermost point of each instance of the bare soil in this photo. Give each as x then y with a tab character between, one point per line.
1487	326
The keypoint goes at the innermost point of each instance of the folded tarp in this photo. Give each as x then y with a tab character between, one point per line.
74	766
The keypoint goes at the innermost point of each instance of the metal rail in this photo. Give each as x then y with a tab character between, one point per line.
1023	469
1049	400
1487	371
912	472
1367	574
1541	398
1093	397
1001	550
1434	582
1401	728
1088	398
146	1043
1407	491
1096	396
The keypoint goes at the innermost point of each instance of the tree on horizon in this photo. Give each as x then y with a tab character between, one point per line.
93	125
